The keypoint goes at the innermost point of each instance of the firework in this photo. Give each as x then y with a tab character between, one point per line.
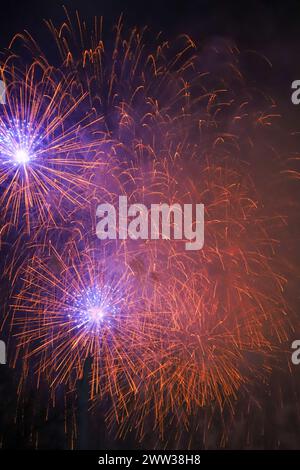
75	309
46	146
220	313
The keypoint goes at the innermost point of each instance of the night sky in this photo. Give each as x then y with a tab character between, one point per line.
268	27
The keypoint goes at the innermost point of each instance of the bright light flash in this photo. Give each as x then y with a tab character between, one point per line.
22	156
96	314
95	308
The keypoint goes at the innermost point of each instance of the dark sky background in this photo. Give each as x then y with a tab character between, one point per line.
252	22
271	28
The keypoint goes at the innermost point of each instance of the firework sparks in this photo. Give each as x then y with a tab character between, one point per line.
42	149
78	308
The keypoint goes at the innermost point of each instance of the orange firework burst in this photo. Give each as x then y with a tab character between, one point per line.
220	313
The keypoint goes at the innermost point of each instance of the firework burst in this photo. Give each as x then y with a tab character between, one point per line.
80	306
46	145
